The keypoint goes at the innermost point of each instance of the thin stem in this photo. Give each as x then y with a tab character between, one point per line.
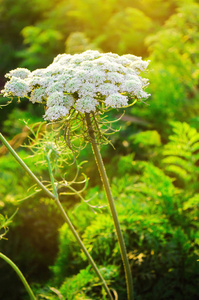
107	188
51	175
24	166
25	283
55	196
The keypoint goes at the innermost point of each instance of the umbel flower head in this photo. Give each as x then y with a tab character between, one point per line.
86	82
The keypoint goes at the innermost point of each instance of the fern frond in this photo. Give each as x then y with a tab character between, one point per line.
195	147
196	157
182	153
194	139
174	150
177	161
179	171
192	203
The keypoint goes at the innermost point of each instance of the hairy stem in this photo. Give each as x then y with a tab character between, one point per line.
105	181
25	283
54	195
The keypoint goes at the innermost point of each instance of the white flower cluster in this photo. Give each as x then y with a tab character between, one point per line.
83	81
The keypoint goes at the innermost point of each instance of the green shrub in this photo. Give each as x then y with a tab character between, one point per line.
159	225
85	285
174	79
68	260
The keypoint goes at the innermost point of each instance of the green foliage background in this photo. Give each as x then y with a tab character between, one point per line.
154	170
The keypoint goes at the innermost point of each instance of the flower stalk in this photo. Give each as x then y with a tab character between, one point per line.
105	181
55	196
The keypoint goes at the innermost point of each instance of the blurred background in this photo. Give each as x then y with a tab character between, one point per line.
154	170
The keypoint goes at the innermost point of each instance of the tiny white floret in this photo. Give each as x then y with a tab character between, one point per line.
116	100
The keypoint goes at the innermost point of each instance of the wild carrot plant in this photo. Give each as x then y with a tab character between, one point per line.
77	90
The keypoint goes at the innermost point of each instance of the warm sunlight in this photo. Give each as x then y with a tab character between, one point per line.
99	149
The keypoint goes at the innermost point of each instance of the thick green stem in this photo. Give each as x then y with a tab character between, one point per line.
54	195
25	283
107	188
